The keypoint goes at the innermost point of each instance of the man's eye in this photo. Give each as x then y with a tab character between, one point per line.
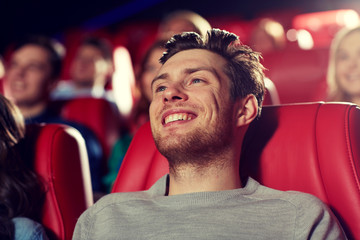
160	89
196	80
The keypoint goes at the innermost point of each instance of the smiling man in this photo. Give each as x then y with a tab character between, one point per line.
32	71
205	96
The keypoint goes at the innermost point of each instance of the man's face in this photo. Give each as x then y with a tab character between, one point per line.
28	76
191	111
88	66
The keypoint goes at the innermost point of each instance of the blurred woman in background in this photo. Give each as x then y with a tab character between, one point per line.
343	76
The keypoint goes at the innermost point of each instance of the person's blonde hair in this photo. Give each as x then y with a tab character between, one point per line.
334	92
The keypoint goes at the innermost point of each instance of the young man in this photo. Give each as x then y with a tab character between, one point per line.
90	70
33	70
204	97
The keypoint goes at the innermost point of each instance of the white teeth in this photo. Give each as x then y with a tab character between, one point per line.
177	117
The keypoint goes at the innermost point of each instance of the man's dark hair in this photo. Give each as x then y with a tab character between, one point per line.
243	65
103	45
54	48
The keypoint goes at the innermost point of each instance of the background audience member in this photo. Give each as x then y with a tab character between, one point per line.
268	35
148	69
21	192
34	67
343	75
32	72
140	115
90	71
182	21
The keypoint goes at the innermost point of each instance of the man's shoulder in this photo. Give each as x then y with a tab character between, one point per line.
296	199
113	200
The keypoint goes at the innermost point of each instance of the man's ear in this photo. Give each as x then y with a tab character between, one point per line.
247	110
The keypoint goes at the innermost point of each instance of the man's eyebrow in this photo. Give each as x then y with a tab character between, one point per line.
188	71
162	76
209	69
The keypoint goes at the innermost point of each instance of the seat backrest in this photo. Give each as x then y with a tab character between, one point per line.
98	114
60	160
311	147
299	75
271	96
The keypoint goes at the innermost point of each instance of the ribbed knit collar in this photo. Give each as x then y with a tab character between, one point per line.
158	191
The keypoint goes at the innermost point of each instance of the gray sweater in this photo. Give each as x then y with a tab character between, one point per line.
252	212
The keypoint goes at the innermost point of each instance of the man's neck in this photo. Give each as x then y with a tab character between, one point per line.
189	179
29	111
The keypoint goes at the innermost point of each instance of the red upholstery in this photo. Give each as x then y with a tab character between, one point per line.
299	75
311	147
95	113
60	159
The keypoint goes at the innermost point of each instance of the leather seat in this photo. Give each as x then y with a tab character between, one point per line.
97	114
310	147
60	160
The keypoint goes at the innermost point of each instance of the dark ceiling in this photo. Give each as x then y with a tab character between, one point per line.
51	17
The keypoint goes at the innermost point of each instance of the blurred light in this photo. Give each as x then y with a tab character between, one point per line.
2	70
275	28
123	80
305	40
314	24
348	18
317	20
291	35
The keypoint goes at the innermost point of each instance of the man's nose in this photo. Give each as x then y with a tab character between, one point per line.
174	94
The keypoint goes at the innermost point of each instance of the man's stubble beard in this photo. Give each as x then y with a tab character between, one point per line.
200	147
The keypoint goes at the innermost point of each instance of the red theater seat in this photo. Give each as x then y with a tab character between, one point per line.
299	75
97	114
60	159
312	148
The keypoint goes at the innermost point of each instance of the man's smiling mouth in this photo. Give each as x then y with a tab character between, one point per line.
178	117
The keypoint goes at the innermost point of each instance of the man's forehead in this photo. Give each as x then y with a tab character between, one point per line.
193	59
29	50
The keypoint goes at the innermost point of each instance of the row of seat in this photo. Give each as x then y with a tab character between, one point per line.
309	147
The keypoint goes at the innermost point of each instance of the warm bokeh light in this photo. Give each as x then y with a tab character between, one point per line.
123	80
2	70
291	35
348	18
305	40
323	25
